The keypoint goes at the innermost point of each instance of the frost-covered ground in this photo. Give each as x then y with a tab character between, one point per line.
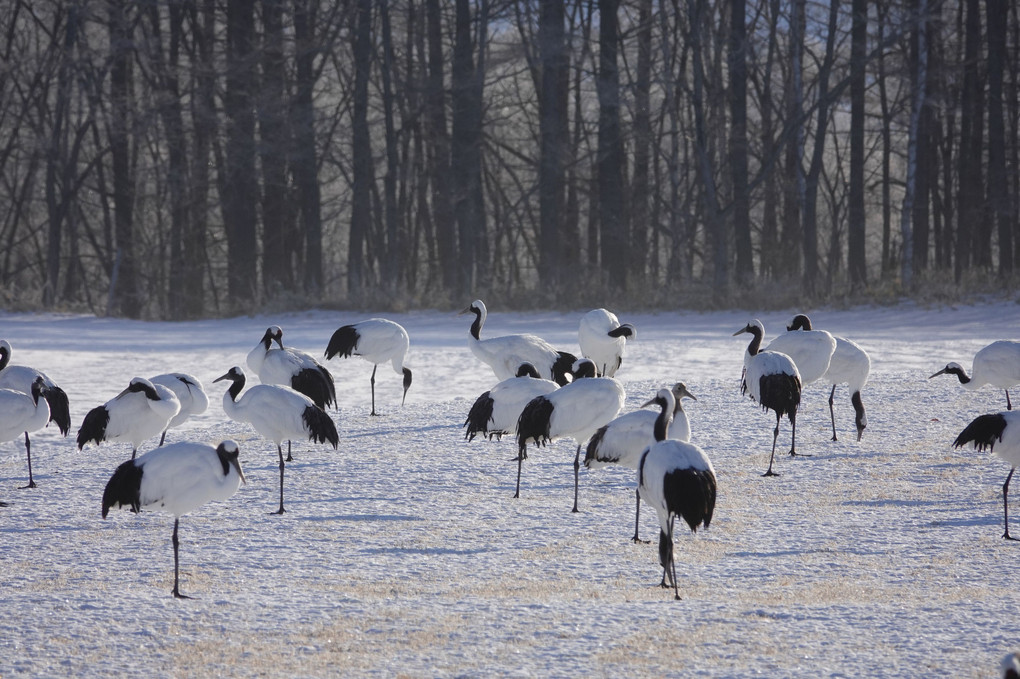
403	553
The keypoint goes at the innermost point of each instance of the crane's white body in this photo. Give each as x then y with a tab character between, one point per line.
811	351
849	365
20	413
504	354
766	363
189	392
593	336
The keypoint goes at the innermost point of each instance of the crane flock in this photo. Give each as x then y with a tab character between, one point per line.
542	394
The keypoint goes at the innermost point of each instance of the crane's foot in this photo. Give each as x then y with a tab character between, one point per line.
794	453
178	595
770	473
279	511
1007	536
638	541
834	438
31	484
374	414
677	598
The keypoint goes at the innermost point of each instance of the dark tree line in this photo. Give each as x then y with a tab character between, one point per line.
191	157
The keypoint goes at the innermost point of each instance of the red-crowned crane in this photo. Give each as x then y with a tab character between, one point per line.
278	413
190	394
574	411
603	339
847	363
772	380
140	412
677	479
22	413
178	478
20	378
999	433
998	364
497	410
623	440
505	353
376	340
291	368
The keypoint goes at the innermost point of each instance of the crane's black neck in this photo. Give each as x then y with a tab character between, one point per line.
476	327
37	390
755	346
661	429
236	385
5	357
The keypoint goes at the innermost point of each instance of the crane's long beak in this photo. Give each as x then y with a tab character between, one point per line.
941	372
222	377
742	330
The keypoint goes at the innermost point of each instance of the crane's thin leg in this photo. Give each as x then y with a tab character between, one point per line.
672	561
775	435
832	413
162	439
1005	506
374	368
290	458
793	439
637	517
279	450
577	465
1009	405
176	590
520	461
133	451
28	451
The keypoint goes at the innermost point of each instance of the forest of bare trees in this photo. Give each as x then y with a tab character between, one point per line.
185	158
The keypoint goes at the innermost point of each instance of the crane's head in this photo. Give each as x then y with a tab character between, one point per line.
799	322
235	374
583	367
951	369
228	452
680	391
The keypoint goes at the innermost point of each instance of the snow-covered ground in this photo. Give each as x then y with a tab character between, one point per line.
403	553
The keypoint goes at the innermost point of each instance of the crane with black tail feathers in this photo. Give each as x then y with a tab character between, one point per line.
178	478
505	353
497	410
999	433
22	413
623	440
140	412
678	480
575	411
291	368
376	340
771	379
278	413
21	377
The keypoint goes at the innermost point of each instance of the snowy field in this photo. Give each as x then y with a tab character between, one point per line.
403	553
